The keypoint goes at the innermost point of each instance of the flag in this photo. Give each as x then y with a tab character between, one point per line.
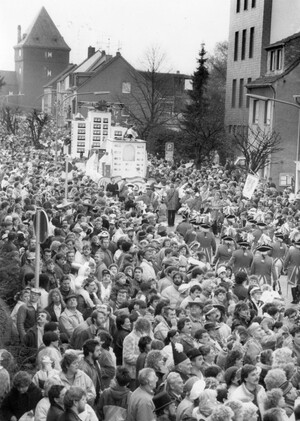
70	167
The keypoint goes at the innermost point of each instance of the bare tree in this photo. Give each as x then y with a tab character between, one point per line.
150	104
36	122
9	120
257	146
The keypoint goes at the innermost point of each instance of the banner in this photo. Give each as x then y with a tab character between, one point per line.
250	185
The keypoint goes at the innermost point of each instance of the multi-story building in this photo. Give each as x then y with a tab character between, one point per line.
280	83
40	54
254	24
250	24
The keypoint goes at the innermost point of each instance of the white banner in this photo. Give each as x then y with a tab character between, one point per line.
250	185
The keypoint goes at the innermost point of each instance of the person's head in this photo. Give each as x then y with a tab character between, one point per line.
242	310
214	371
105	338
273	414
297	412
21	381
123	322
147	379
266	357
70	363
138	273
296	335
241	278
71	301
275	378
234	358
55	297
174	383
249	375
155	360
207	402
202	336
274	399
50	338
56	394
34	295
91	348
144	344
237	409
122	376
222	413
75	399
121	295
207	353
177	279
230	376
184	326
143	326
43	317
65	283
250	411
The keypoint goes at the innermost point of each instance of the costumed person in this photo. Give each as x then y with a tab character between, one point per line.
263	266
207	241
241	258
292	266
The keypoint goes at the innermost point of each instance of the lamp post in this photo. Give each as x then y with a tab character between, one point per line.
59	106
295	104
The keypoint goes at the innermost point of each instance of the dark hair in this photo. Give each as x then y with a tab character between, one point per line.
143	342
89	346
54	392
273	310
295	330
195	288
171	333
106	338
266	356
205	350
212	371
122	376
50	327
120	320
246	370
199	333
44	280
240	277
181	323
157	344
49	337
297	412
232	357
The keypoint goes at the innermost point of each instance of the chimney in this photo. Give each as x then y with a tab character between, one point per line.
118	54
91	51
19	33
178	72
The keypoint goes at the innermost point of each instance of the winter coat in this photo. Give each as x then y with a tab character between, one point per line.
81	380
242	394
113	403
69	320
54	412
16	403
172	199
131	352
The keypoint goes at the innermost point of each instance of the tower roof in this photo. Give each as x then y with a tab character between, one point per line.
43	33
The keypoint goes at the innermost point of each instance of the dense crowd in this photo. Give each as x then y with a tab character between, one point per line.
174	299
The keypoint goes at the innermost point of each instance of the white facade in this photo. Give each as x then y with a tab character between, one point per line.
124	158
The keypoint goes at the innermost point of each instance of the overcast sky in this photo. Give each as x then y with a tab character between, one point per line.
178	27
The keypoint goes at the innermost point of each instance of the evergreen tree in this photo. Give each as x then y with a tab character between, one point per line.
202	122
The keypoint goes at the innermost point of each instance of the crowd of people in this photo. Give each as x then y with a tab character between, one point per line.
176	299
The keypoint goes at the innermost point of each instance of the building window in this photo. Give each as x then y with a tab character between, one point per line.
251	42
20	52
48	54
255	111
233	97
276	60
49	72
267	116
244	36
253	4
20	70
241	93
126	88
236	46
10	92
238	6
248	98
245	4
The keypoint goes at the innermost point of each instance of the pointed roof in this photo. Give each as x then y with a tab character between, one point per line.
43	33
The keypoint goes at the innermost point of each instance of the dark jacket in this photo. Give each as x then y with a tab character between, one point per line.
16	403
118	344
54	412
113	403
69	415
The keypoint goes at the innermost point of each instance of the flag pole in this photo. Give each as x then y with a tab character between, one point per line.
37	247
66	180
